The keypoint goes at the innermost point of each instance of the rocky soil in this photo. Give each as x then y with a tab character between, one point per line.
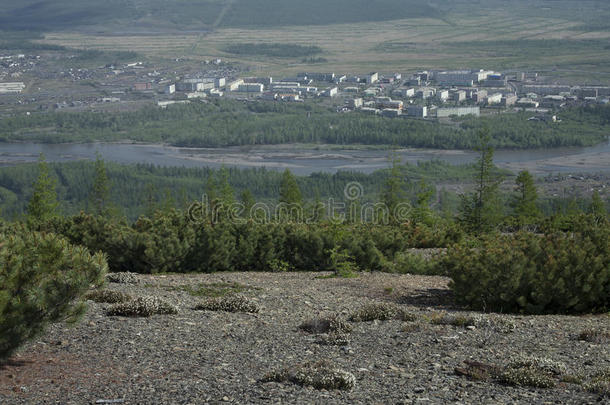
204	356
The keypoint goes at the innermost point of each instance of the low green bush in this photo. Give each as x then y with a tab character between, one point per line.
42	280
534	274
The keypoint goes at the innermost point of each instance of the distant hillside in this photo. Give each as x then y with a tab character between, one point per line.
44	15
323	12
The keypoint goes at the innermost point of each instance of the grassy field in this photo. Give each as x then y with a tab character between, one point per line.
544	35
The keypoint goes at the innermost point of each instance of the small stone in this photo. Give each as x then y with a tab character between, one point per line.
225	398
419	390
471	327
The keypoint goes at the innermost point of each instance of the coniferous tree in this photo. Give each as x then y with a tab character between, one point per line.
248	201
43	205
597	207
481	210
150	202
289	189
43	280
291	199
524	204
393	188
422	212
101	187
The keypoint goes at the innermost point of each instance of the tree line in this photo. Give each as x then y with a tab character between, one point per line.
222	123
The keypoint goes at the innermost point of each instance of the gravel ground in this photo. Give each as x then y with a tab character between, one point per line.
221	357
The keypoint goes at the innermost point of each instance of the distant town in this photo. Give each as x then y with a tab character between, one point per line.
419	95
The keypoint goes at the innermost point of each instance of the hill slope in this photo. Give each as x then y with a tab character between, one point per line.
43	15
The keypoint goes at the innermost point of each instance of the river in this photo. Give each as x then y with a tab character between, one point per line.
306	159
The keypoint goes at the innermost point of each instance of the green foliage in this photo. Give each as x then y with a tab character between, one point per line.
289	189
152	245
598	207
291	200
524	203
43	203
481	210
534	274
222	122
342	263
101	187
42	280
393	189
422	212
412	263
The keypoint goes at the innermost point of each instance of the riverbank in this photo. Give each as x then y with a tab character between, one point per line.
304	159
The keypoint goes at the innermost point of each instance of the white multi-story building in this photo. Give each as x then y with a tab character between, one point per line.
461	77
457	111
11	87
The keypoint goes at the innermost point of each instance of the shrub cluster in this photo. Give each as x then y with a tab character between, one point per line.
600	383
532	372
535	274
321	375
595	336
236	303
122	278
170	241
524	371
326	325
460	321
42	280
380	312
143	307
107	296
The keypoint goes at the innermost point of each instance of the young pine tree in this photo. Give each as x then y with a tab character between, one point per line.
291	200
393	187
289	189
248	201
422	212
481	211
43	205
597	207
101	187
524	204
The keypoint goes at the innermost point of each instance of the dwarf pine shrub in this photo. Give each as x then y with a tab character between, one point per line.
534	274
42	280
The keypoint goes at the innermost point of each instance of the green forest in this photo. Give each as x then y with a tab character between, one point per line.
141	188
136	189
230	123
